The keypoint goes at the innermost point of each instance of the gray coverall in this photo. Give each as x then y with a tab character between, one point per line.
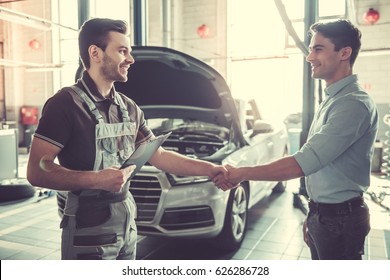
99	224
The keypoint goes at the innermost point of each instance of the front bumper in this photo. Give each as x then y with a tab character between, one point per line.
194	210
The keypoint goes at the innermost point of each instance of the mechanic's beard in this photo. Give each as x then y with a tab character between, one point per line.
110	70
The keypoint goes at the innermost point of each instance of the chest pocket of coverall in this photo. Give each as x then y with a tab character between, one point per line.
114	143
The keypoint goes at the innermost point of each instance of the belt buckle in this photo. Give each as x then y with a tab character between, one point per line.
344	208
344	211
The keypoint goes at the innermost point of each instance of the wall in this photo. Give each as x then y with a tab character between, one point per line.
373	63
23	87
2	93
187	16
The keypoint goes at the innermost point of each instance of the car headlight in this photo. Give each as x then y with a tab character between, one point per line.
183	180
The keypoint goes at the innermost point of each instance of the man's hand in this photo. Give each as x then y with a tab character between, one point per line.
229	179
218	170
112	179
219	175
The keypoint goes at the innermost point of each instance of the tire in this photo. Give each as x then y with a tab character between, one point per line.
15	190
280	187
236	218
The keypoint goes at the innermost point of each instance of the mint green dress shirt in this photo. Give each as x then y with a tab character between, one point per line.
336	159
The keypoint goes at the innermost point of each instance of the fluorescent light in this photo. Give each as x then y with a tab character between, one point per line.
374	52
30	66
44	68
9	63
24	19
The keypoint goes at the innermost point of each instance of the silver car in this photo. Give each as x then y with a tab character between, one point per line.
181	94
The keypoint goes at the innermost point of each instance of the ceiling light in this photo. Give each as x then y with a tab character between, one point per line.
371	16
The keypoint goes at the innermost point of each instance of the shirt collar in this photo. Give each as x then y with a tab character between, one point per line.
335	88
90	88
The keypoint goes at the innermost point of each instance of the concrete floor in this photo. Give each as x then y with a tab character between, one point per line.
29	230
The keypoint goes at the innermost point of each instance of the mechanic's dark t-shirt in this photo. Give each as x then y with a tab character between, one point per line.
67	123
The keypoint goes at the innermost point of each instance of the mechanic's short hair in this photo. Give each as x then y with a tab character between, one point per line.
96	32
342	33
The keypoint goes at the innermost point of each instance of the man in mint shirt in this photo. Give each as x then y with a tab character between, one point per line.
336	159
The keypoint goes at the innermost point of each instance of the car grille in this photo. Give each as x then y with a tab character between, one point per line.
146	191
187	218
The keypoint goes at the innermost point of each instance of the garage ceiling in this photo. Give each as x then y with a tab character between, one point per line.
9	1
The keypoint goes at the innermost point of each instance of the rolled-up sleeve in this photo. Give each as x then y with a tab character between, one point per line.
308	160
341	126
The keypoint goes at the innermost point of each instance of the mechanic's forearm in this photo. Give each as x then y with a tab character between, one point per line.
280	170
178	164
53	176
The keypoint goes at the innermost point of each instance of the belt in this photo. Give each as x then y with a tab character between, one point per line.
335	209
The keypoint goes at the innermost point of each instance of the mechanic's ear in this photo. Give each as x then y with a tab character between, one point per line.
94	53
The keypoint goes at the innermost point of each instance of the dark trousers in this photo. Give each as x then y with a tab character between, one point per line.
338	231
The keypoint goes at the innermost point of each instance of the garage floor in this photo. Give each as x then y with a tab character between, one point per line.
29	230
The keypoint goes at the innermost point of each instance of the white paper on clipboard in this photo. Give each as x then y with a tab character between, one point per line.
144	152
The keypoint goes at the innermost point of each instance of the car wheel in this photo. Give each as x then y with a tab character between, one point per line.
280	187
235	225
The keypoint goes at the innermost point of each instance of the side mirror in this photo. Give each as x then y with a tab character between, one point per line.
260	126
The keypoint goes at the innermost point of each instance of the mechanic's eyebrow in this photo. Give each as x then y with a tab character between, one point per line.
125	48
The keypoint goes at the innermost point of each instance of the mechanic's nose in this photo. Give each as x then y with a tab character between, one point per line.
130	58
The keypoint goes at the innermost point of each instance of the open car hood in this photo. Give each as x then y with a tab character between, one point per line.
166	83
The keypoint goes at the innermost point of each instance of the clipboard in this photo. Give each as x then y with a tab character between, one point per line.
144	152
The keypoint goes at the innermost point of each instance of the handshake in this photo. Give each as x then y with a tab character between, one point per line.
226	177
